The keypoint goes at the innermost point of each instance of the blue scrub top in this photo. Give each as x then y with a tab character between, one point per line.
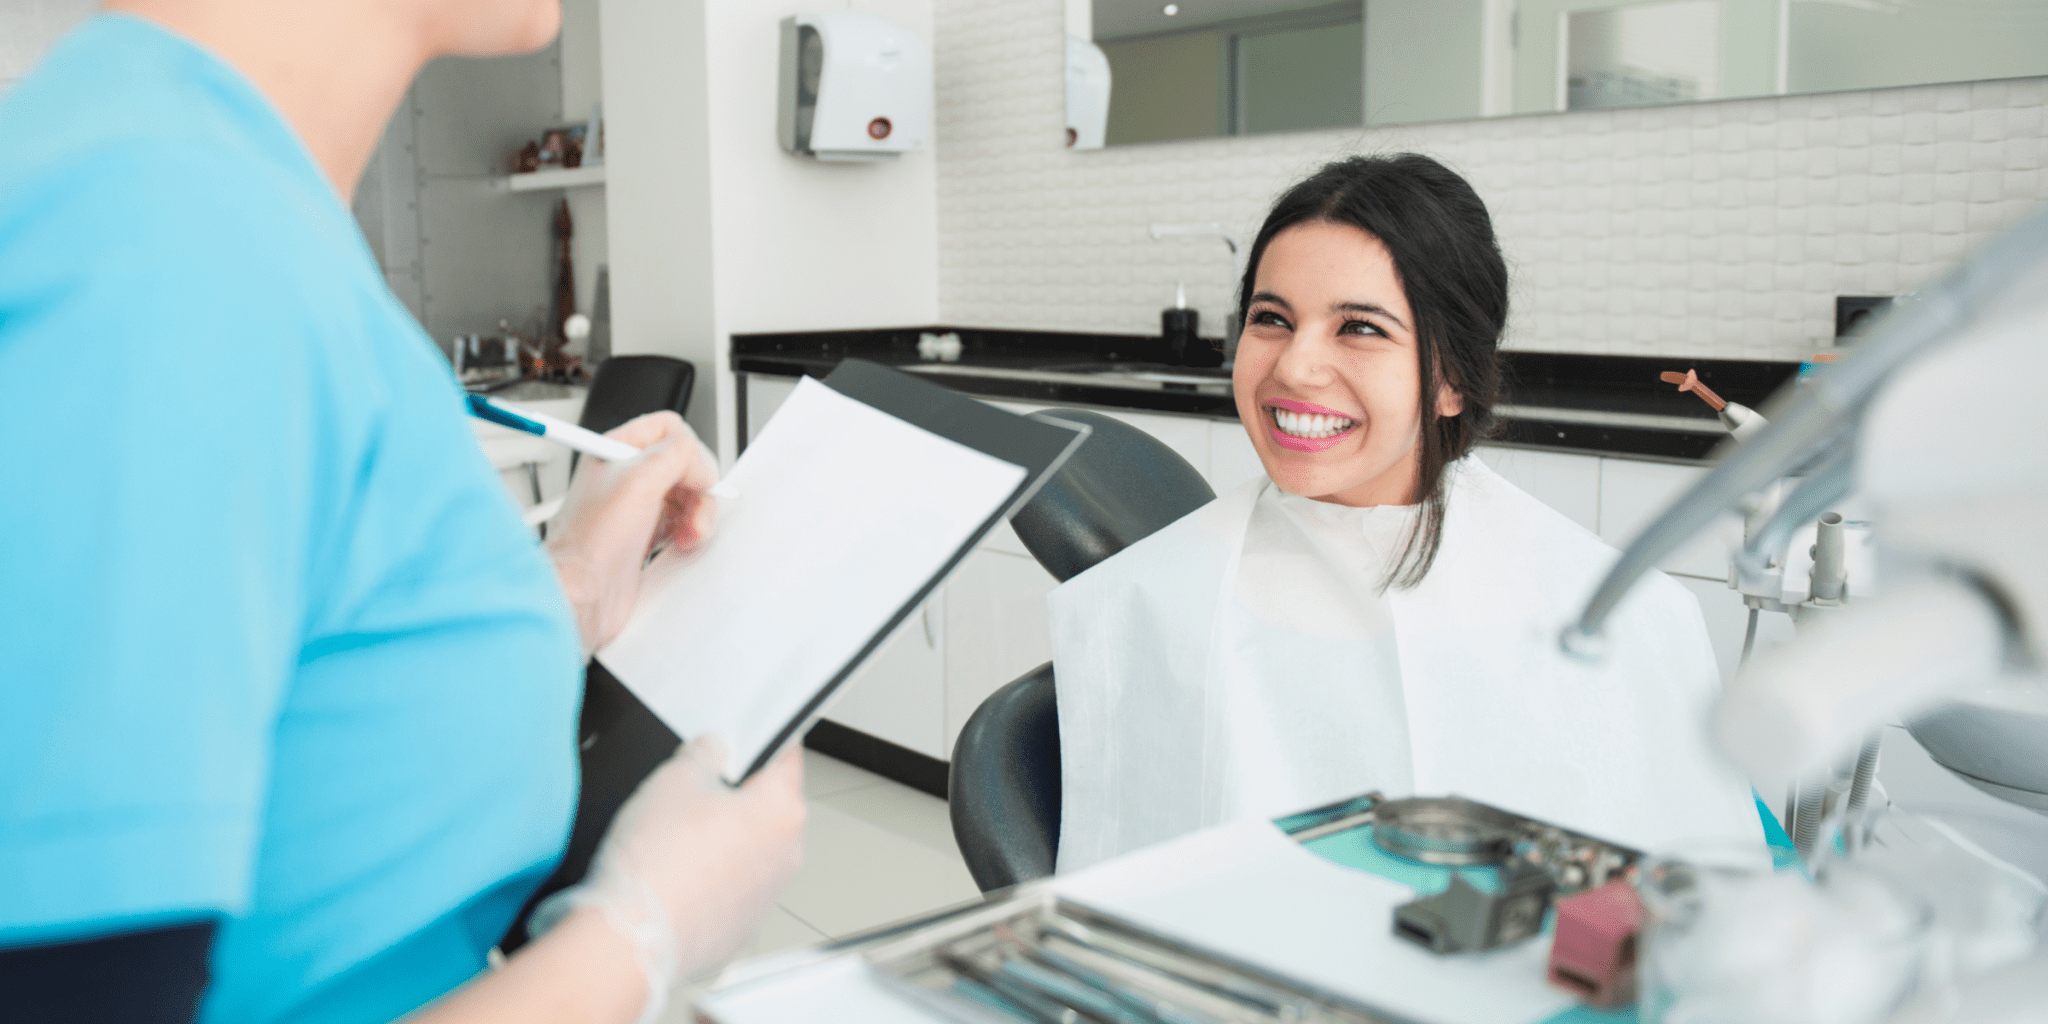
273	643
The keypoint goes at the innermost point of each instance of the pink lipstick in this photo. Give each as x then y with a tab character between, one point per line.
1310	409
1284	410
1308	444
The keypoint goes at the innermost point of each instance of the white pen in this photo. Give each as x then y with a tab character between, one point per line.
562	432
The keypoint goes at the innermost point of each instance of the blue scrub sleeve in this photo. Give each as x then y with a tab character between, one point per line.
156	536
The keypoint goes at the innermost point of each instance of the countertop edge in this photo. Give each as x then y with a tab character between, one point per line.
1552	430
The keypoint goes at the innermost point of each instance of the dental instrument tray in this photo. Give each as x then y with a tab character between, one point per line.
1051	961
1485	877
1452	831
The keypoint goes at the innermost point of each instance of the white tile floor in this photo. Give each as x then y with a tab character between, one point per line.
875	851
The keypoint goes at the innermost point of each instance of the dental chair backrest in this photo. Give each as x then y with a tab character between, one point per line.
1120	486
629	386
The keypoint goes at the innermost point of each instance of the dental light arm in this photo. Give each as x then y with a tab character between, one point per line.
1823	411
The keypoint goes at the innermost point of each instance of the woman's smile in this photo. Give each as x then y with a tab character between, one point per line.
1307	427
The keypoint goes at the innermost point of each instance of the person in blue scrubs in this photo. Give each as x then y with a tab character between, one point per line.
287	692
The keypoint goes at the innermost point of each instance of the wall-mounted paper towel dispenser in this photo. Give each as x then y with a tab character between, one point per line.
854	87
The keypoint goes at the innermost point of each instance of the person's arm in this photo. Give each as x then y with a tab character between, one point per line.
581	972
687	872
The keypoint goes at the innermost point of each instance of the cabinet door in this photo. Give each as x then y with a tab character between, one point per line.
765	394
1567	483
1232	459
996	630
899	693
1633	493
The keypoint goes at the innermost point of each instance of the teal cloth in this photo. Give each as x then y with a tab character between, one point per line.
275	649
1354	848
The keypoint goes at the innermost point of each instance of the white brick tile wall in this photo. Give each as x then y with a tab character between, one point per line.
1711	230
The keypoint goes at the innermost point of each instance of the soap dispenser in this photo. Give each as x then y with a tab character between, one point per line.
1180	334
1177	327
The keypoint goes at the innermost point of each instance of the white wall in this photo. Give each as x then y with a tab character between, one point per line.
582	57
658	166
28	27
1712	230
799	244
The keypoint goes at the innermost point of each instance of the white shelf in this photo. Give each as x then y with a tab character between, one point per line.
572	178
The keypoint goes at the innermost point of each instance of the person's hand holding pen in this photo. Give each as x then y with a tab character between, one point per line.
618	512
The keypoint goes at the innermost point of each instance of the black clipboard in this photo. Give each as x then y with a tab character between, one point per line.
620	740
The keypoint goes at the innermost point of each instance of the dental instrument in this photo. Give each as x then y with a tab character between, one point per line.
1741	420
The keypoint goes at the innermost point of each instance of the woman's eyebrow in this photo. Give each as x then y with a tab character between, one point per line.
1272	298
1367	307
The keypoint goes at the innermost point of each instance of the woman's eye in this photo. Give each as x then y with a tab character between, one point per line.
1268	318
1361	327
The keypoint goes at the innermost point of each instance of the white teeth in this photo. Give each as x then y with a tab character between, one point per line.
1311	426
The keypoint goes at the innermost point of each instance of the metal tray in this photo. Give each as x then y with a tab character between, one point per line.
1046	960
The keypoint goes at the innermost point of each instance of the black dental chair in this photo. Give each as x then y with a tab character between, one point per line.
627	386
1004	791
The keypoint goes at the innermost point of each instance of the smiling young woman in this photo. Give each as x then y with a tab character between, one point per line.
1379	611
1328	311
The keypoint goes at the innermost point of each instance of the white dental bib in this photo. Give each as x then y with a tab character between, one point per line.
1244	663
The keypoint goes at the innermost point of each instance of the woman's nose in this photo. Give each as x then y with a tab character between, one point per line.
1304	363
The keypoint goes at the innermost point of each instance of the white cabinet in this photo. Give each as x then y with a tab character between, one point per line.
1633	493
764	396
1615	498
522	459
1232	459
898	694
996	629
1568	483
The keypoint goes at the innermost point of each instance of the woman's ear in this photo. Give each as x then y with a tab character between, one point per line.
1449	403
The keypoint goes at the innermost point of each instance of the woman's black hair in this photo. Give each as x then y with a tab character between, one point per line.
1438	232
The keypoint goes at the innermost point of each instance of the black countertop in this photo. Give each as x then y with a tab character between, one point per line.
1611	405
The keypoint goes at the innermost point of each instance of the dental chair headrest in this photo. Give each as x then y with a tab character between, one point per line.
1118	488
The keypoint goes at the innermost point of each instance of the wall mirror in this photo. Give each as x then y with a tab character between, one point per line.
1153	70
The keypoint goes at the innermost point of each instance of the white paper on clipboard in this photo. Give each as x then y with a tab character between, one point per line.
845	513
